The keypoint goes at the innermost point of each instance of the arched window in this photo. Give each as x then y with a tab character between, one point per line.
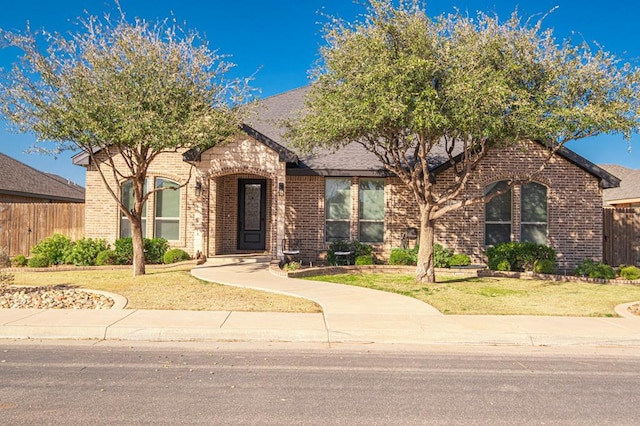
167	215
533	213
497	217
126	194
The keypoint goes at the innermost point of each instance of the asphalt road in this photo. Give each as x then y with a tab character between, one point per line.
121	383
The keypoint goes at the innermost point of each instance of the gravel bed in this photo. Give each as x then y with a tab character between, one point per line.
52	297
635	309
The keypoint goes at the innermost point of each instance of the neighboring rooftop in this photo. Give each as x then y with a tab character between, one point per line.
629	190
18	179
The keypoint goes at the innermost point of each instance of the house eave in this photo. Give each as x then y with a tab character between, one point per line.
53	198
338	173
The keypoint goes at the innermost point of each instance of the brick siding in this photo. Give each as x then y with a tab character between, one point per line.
209	223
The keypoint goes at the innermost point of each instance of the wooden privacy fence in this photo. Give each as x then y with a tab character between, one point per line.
23	225
621	235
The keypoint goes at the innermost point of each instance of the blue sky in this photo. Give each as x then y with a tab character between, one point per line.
278	41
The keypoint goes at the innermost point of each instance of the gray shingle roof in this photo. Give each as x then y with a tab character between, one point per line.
16	178
354	159
629	188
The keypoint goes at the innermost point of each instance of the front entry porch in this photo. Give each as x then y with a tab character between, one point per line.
242	215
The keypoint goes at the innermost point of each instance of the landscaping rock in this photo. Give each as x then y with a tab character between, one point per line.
53	297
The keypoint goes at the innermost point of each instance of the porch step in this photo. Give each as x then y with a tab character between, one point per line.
239	258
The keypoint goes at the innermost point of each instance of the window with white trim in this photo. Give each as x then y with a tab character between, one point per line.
167	214
371	198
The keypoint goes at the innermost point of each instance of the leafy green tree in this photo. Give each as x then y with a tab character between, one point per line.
403	84
123	92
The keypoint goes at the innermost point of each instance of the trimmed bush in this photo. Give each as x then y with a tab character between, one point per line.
592	269
55	249
460	259
544	266
629	272
85	251
38	261
365	259
107	257
402	256
521	256
175	255
441	256
19	261
155	249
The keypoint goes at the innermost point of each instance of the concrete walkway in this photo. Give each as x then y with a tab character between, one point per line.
350	315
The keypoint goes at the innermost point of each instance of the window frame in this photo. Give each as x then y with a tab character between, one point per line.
361	202
124	219
327	209
166	219
508	222
535	223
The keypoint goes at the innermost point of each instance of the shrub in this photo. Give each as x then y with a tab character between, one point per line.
521	256
175	255
441	256
460	259
629	272
365	259
38	261
402	256
154	250
85	251
592	269
544	266
124	251
292	266
107	257
19	261
55	249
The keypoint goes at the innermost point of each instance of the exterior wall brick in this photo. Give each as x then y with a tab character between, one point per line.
208	223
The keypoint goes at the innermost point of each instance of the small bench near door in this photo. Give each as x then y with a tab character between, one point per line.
291	249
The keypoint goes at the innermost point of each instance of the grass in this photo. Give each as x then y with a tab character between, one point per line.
500	296
173	288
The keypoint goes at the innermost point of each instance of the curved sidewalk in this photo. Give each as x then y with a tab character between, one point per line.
350	315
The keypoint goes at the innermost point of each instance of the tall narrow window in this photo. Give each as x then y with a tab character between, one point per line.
127	199
497	215
167	218
533	223
337	208
371	210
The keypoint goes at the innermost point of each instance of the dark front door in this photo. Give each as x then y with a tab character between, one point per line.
252	206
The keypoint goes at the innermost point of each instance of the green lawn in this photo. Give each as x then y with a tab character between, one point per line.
500	296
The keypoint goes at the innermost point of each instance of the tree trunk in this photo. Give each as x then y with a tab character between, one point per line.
138	247
425	271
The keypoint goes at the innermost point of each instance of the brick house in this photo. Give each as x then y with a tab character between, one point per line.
249	194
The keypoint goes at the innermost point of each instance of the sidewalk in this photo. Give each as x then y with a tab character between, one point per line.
350	315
